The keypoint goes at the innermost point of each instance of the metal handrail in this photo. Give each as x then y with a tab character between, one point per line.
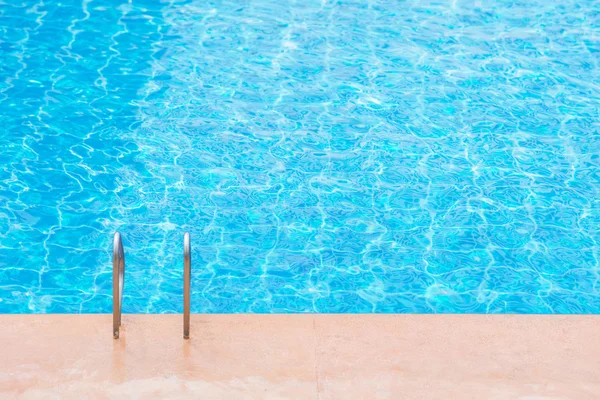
187	277
118	281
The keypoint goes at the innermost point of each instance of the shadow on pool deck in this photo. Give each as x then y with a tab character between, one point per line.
301	357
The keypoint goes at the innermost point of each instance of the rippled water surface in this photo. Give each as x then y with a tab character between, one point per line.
326	156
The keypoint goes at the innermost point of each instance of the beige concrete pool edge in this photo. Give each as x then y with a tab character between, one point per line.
301	357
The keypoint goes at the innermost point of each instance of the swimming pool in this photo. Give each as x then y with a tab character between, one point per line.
351	156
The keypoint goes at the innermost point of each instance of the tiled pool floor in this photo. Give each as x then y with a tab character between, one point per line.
301	357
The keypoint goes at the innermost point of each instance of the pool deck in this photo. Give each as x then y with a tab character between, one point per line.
301	357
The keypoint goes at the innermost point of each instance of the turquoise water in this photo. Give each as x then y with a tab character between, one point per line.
411	157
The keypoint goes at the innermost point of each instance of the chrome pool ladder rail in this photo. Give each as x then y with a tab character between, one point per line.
187	277
118	281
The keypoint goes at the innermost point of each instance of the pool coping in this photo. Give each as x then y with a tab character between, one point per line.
320	356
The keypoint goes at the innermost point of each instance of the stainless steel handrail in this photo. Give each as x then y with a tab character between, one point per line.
118	281
187	277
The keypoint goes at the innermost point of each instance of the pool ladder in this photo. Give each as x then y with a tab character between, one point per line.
119	281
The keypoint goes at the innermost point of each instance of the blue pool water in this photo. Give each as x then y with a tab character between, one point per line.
326	156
